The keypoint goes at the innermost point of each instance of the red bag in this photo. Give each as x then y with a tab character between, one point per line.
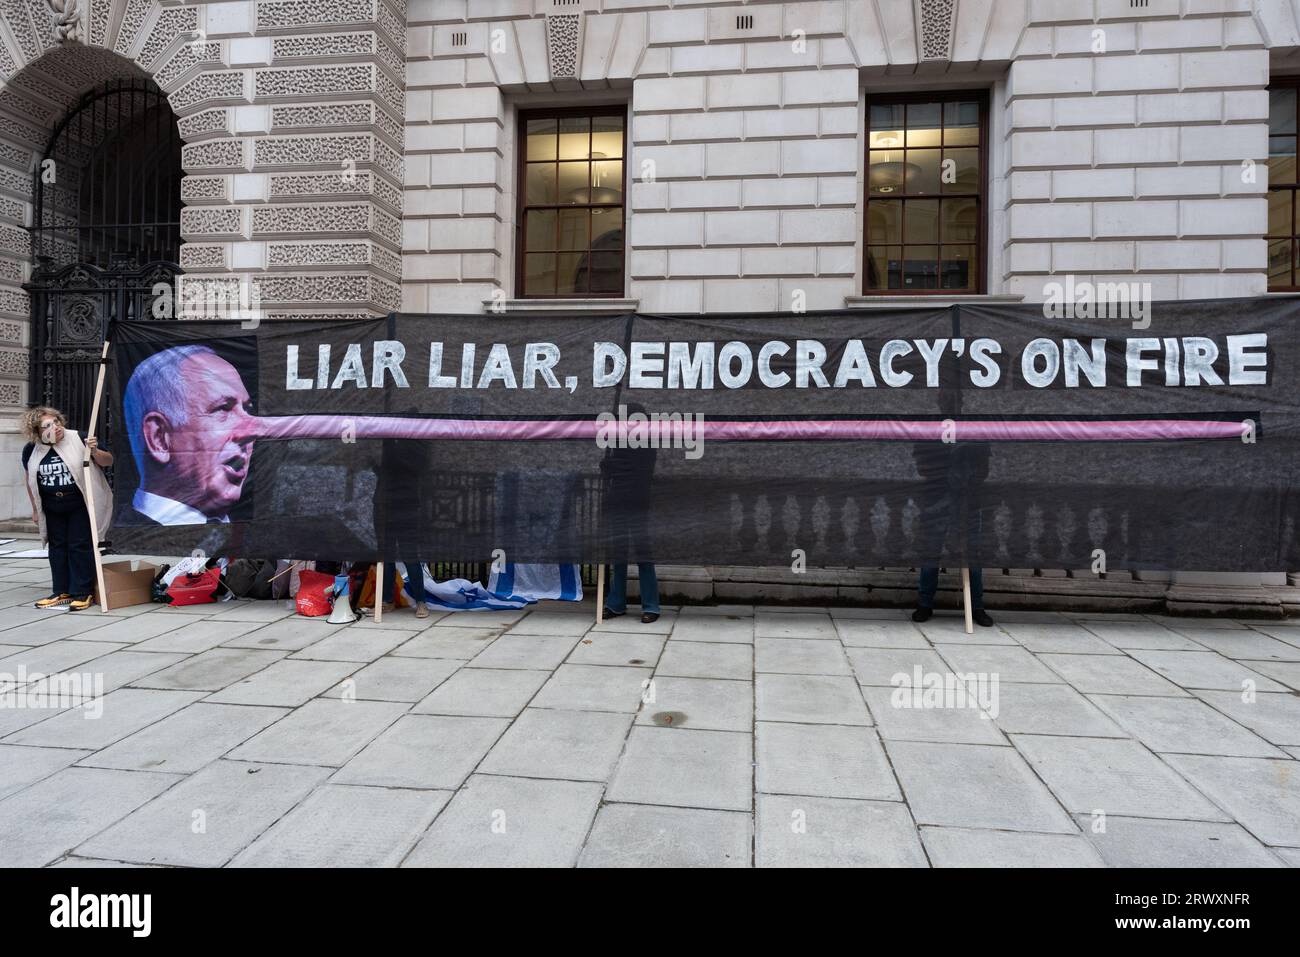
315	593
195	589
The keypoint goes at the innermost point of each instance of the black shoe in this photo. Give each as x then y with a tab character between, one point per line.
922	614
981	618
613	614
649	617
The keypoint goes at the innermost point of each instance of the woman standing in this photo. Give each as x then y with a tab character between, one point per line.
56	486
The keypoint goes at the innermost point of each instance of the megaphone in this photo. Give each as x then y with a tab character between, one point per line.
342	613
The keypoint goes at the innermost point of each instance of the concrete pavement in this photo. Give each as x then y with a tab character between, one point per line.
238	734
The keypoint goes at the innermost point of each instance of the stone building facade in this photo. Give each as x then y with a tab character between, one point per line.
351	157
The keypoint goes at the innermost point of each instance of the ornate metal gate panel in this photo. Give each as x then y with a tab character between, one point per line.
106	233
71	312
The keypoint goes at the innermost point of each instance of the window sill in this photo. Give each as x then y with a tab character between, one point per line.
933	302
609	307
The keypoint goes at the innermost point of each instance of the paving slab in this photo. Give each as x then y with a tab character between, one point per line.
1110	674
192	637
184	742
630	622
326	732
1116	777
1182	624
800	656
716	704
1274	717
822	761
1183	725
459	643
45	821
208	817
485	692
971	847
132	630
617	648
77	862
433	752
828	832
396	679
346	826
286	683
353	644
1140	842
1134	635
895	721
794	624
35	626
708	611
997	788
1204	669
1263	795
810	699
594	688
249	610
638	835
573	745
48	659
1052	709
868	633
1238	645
727	629
880	666
404	620
1283	672
702	659
525	652
23	766
286	634
482	618
838	612
685	768
1059	639
560	624
1010	664
124	712
510	822
211	670
121	668
952	630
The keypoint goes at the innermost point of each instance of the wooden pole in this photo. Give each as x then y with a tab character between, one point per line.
86	466
600	593
965	596
379	592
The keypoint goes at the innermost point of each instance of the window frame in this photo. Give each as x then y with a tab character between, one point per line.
522	118
980	96
1284	83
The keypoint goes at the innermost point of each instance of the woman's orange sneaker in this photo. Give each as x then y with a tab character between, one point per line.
54	601
81	604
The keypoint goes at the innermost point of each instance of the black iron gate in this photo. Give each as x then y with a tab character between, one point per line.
105	236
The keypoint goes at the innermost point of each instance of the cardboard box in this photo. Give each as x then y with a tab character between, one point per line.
127	583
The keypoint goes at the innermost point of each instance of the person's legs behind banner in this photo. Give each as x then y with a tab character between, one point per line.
414	584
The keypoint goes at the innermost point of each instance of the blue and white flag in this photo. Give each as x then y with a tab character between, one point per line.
517	587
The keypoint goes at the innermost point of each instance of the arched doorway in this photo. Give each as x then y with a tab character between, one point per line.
105	234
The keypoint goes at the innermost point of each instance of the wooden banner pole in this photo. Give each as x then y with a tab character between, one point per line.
600	593
90	485
379	592
965	595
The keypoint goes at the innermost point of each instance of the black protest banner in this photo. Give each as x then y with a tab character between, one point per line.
993	435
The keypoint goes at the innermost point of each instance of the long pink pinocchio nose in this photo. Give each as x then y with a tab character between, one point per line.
889	430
